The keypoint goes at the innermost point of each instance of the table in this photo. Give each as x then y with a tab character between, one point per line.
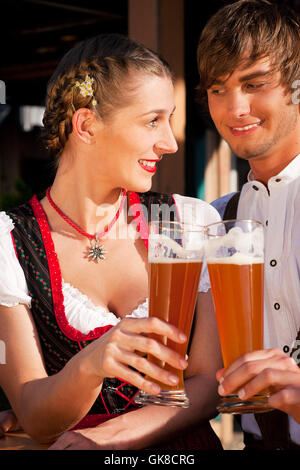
18	440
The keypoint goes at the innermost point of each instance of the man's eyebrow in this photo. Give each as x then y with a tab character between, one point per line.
259	73
250	76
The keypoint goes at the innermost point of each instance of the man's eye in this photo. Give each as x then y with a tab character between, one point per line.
216	91
254	86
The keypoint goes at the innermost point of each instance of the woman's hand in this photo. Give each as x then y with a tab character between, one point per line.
8	422
258	370
118	351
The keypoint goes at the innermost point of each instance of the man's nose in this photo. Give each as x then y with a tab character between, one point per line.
238	104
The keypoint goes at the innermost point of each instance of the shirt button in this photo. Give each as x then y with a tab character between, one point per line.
255	187
277	306
267	222
273	262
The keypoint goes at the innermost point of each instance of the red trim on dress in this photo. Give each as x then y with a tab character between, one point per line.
56	280
13	240
55	272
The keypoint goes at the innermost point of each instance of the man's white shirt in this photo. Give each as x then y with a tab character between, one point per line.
277	206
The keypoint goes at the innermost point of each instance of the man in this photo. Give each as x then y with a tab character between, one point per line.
249	66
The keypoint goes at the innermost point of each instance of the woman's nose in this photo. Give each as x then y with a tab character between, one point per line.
167	143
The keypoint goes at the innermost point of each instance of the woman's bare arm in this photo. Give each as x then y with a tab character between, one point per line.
151	424
47	406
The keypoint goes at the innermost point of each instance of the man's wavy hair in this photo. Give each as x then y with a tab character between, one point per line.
263	28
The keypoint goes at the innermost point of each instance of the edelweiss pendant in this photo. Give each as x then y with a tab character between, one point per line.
96	252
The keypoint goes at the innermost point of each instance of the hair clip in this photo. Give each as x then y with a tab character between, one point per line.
86	89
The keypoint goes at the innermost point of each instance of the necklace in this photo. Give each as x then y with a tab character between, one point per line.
96	252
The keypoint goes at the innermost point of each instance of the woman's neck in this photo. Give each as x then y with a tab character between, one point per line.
90	206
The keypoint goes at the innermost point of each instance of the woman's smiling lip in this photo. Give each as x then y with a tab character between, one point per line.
246	129
149	165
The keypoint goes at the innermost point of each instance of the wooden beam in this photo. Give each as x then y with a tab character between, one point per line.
159	24
77	9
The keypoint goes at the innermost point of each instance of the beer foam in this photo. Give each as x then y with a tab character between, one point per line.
163	249
174	260
236	241
238	258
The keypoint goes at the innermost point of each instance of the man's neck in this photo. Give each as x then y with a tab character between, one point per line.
265	169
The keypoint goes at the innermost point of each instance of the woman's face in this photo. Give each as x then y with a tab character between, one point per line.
134	139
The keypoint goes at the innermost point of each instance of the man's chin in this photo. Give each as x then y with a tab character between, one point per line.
248	154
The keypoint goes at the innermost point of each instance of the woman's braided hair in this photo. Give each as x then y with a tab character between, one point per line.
108	60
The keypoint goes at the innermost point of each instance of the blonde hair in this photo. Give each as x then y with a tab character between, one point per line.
107	59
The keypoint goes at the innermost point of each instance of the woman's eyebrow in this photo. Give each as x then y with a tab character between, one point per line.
158	111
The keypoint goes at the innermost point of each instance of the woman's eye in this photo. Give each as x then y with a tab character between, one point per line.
153	122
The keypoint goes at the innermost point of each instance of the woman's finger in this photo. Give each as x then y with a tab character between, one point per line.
133	342
153	325
142	364
134	378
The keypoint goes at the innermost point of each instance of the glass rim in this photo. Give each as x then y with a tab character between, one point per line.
234	220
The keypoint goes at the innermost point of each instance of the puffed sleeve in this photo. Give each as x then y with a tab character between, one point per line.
195	211
13	287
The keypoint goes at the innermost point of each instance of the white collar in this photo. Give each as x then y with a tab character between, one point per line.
290	172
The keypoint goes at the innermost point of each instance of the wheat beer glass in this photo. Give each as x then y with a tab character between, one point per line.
234	253
175	263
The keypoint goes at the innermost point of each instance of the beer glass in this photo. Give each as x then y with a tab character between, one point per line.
175	262
234	252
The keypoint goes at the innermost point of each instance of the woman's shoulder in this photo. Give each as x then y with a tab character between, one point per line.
6	224
13	288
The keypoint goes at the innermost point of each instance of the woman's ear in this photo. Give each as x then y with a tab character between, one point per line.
85	125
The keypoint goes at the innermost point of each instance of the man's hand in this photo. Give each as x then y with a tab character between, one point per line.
268	369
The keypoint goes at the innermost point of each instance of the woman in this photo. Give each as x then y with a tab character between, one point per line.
76	266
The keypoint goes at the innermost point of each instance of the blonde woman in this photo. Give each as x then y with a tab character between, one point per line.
74	294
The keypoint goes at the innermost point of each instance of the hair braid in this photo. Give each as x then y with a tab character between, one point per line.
61	100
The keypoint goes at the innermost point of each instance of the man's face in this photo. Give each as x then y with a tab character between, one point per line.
253	113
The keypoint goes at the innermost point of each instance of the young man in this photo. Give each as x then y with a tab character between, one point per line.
249	66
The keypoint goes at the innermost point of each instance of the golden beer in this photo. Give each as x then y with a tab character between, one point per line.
175	259
235	260
238	298
173	294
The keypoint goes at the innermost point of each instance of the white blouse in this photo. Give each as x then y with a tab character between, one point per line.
80	311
